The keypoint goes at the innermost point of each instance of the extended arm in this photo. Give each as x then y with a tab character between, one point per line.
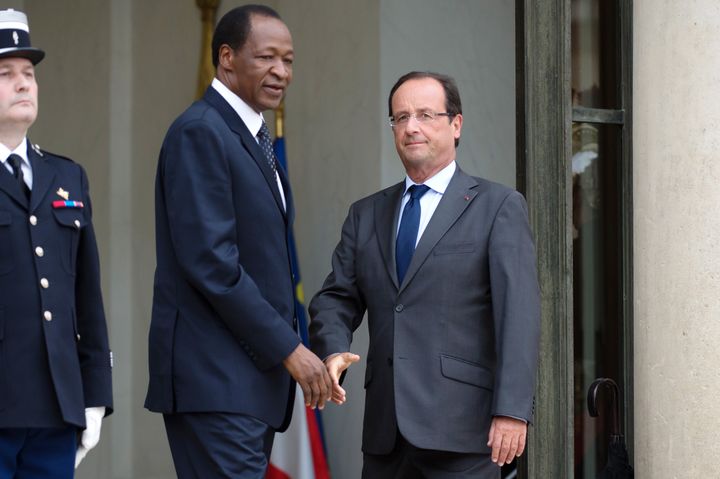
337	310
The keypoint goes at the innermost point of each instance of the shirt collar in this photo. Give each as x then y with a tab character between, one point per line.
439	181
252	119
21	151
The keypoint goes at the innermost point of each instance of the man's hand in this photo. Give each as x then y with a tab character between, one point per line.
507	439
91	435
311	375
336	364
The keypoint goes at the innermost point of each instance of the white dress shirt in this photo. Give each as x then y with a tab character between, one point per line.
430	200
252	119
21	151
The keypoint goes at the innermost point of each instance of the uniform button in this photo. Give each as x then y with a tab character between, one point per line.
399	308
39	251
78	337
47	315
77	224
44	283
33	220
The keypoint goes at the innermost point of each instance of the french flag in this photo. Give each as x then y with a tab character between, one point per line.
298	453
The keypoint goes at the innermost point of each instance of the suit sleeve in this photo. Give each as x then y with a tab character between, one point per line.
203	230
516	309
93	345
338	308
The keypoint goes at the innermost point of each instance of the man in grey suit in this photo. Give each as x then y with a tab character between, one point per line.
444	265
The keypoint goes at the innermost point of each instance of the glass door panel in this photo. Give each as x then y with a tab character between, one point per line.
599	227
597	280
595	50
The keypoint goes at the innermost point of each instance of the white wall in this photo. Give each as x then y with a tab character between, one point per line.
472	41
676	227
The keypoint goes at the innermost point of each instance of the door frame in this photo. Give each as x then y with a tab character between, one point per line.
544	117
544	147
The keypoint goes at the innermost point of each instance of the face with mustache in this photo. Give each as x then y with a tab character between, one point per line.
18	94
428	147
259	71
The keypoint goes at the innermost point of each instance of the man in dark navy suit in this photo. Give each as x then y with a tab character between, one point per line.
54	357
224	347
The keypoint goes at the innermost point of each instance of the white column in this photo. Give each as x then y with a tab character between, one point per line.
676	237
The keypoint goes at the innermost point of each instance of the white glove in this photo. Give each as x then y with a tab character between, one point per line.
91	435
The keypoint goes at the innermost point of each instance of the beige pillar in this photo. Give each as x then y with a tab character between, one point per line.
676	231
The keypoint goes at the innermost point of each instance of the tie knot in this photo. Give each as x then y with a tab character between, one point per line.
15	161
264	132
416	191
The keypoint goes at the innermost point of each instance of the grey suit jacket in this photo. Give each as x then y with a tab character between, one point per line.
457	342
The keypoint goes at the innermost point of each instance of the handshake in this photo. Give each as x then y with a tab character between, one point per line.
319	381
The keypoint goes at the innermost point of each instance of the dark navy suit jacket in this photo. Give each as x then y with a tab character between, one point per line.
223	306
54	354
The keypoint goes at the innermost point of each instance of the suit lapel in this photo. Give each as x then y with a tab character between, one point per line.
458	195
236	124
387	209
43	177
10	186
289	205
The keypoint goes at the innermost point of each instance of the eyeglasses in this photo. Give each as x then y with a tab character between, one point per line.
421	117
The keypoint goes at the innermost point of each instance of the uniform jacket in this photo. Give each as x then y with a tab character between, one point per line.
223	305
456	343
54	354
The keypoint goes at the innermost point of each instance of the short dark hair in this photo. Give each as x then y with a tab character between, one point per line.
453	106
452	95
234	27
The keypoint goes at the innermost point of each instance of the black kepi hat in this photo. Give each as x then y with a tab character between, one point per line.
15	37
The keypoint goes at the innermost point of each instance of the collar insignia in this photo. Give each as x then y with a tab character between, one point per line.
36	147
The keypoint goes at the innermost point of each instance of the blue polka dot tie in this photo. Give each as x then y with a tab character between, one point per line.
266	144
408	232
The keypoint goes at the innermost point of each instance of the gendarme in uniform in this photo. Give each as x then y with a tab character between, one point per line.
55	360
